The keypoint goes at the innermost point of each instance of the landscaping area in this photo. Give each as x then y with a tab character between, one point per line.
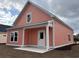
65	52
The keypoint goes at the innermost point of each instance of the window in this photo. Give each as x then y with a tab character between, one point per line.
29	17
14	36
41	35
15	39
69	37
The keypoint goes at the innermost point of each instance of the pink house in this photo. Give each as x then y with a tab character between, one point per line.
37	27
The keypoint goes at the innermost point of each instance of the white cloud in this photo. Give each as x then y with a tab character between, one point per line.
7	18
70	13
18	4
49	1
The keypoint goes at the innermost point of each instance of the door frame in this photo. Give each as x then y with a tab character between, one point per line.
39	35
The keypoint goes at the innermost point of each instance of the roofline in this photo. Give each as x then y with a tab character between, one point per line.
57	19
41	8
50	14
44	10
5	25
20	13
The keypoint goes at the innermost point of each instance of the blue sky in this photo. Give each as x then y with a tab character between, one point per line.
66	10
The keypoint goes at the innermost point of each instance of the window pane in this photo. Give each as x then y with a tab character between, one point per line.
15	34
41	35
15	39
12	36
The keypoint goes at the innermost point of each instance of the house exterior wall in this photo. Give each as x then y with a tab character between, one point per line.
31	36
20	35
51	37
3	37
61	34
37	15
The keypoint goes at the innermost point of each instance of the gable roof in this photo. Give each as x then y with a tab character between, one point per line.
44	10
30	2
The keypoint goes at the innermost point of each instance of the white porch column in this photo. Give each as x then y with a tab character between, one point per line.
47	37
23	38
53	31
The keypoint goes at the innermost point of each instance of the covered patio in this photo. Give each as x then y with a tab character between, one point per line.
31	41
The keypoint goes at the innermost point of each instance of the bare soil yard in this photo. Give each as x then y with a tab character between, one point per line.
65	52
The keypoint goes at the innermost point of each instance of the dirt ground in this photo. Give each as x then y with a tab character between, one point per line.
65	52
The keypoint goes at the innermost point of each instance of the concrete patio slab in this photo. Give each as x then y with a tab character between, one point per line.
37	50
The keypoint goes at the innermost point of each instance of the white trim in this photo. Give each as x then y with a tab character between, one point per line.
50	23
36	26
62	45
32	25
30	13
13	44
14	36
47	37
53	30
41	31
23	37
39	23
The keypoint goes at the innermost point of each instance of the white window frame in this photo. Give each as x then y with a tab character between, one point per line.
10	36
40	32
14	36
30	13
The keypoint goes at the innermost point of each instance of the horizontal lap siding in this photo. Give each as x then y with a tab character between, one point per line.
31	36
50	37
61	34
37	15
